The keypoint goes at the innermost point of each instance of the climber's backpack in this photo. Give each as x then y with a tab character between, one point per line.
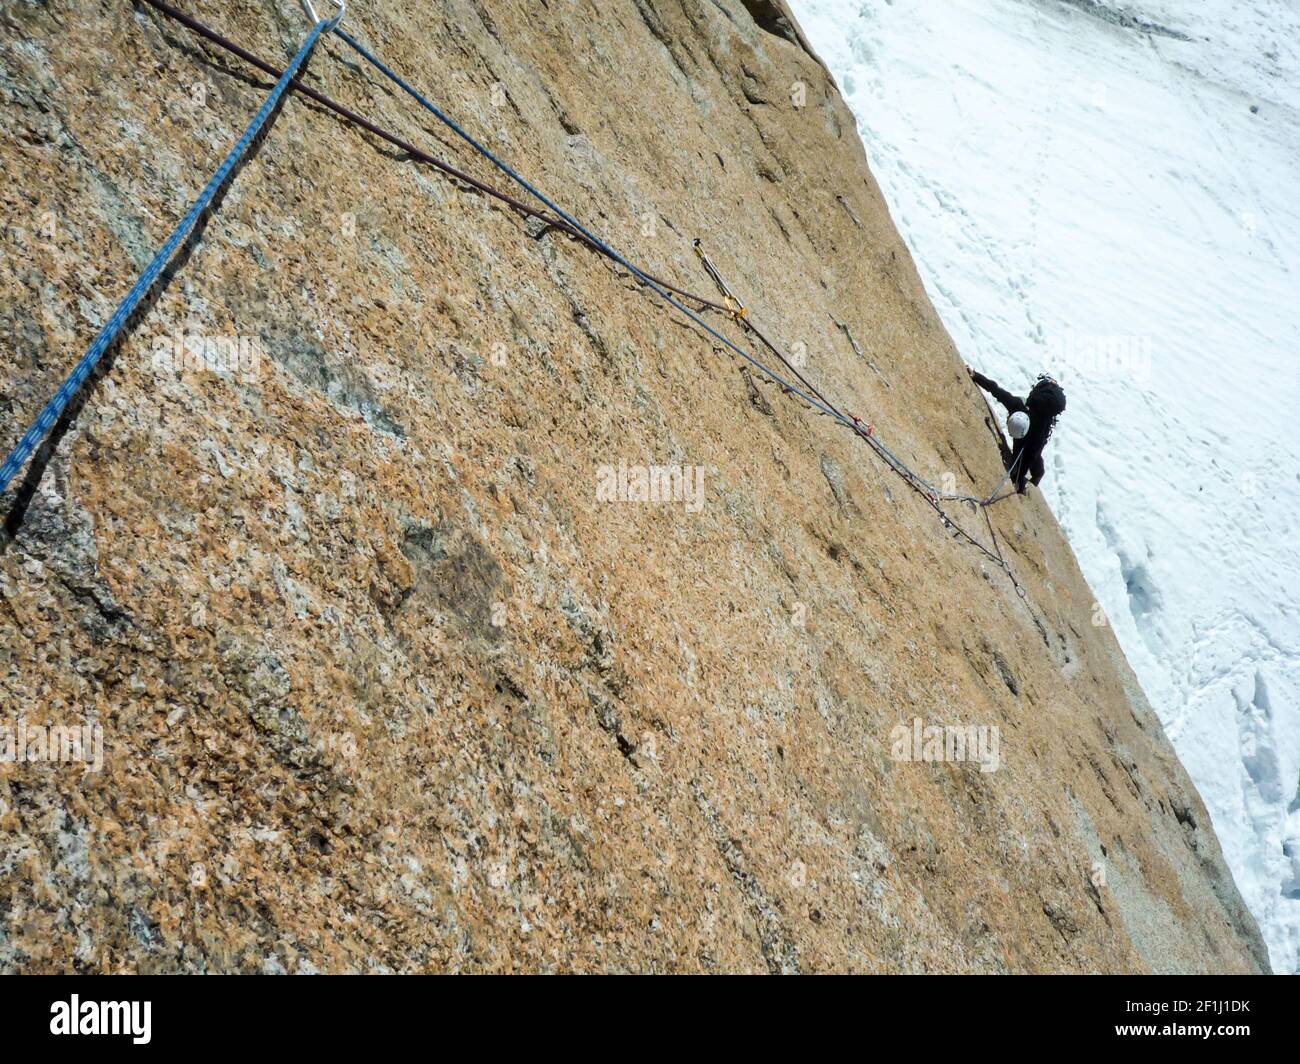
1047	398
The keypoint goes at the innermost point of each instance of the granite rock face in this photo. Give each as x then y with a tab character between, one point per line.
345	560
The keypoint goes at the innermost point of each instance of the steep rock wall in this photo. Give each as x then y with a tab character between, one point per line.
382	683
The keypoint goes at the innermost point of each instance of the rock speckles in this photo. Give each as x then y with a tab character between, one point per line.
383	686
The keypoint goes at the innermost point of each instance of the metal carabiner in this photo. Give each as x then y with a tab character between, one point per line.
315	18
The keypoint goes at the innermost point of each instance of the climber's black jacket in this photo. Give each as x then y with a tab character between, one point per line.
1045	401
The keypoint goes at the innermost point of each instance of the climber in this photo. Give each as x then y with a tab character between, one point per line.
1030	423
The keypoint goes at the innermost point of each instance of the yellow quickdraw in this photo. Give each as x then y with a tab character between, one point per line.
734	306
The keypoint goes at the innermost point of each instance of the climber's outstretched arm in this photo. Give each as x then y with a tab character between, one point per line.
1011	402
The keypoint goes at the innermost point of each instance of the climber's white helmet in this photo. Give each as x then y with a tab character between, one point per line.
1018	424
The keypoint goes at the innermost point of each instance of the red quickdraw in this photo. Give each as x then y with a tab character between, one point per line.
867	430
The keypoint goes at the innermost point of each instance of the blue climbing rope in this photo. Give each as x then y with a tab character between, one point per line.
928	491
817	403
55	408
68	390
596	241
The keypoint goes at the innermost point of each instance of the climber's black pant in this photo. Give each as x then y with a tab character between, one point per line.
1030	465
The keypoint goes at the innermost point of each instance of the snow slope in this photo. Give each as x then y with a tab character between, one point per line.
1086	188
